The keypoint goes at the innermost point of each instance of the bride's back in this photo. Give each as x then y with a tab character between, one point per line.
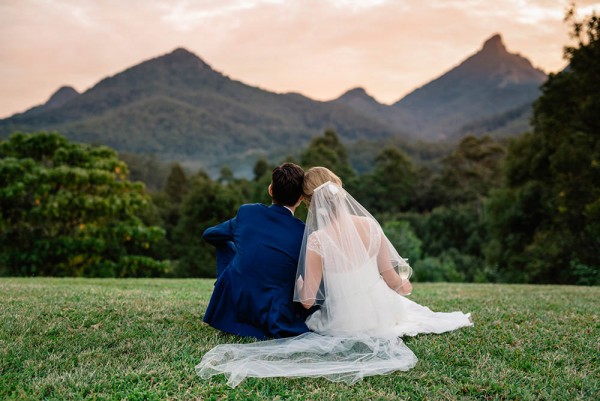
347	243
351	278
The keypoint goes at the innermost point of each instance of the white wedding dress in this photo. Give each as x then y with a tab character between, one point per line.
345	265
359	301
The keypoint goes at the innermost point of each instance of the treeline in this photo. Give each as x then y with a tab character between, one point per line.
436	219
526	210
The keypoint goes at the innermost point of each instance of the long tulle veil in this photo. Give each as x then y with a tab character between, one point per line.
343	236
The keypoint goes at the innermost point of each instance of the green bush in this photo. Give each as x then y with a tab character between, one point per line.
436	269
67	209
403	238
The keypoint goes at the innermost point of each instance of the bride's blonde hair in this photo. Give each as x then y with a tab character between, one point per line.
314	177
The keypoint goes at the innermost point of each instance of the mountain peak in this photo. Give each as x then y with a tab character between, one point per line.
358	99
494	45
179	67
357	94
61	96
182	53
184	56
358	91
491	81
495	62
182	50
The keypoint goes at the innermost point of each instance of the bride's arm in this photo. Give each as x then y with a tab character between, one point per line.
312	279
388	273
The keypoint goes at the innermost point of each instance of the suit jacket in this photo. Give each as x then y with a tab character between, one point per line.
254	290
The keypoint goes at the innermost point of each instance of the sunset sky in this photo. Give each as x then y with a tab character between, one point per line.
320	48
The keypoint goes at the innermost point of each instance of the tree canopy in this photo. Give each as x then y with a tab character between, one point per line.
67	209
546	222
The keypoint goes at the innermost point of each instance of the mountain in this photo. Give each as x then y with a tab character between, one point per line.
63	95
361	102
490	82
489	85
511	122
359	99
179	108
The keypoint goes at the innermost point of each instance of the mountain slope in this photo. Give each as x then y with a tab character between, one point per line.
361	102
491	82
179	108
483	90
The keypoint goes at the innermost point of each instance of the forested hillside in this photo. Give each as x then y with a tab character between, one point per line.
178	108
483	210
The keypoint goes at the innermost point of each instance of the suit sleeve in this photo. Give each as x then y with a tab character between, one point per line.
220	233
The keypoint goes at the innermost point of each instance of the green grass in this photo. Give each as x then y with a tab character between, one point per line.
140	339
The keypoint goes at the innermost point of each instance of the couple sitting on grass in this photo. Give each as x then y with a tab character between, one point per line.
329	294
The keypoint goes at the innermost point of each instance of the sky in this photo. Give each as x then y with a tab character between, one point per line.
319	48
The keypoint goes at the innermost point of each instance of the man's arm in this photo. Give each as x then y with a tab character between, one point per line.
221	233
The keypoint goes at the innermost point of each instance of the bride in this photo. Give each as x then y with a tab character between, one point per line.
348	267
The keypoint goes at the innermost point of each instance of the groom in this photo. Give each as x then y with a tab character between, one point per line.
257	257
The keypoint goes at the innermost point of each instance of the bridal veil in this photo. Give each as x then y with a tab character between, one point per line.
349	268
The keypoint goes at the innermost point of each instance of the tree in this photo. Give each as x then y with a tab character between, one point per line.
168	205
176	185
403	238
328	151
261	168
67	209
546	222
389	188
471	171
226	175
147	169
208	203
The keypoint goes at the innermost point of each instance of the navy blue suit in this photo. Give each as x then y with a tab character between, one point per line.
257	257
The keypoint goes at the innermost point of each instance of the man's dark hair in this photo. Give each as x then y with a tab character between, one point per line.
286	184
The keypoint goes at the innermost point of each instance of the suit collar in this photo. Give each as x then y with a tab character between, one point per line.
281	209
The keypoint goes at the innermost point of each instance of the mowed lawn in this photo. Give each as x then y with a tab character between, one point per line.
139	339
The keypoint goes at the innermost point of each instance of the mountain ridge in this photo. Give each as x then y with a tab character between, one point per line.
485	86
178	107
491	81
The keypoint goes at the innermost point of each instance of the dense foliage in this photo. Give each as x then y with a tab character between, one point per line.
435	218
67	209
546	222
526	210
